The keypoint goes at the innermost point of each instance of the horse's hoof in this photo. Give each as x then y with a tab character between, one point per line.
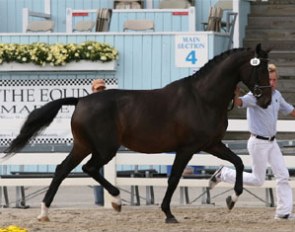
117	207
43	219
230	203
171	220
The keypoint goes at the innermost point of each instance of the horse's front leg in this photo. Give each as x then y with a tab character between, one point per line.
61	172
179	164
223	152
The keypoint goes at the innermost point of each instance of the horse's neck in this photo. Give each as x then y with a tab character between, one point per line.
220	80
217	87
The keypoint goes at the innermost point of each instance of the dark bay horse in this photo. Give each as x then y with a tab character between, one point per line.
186	116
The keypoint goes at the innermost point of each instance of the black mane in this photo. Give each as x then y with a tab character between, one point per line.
209	65
215	60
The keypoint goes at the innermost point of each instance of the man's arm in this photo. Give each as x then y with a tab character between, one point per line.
293	113
237	100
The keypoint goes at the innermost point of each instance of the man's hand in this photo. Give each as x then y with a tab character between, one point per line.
237	100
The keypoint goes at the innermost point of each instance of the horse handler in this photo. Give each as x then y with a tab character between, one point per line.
263	147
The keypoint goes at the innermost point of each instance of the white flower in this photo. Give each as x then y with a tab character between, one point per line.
56	54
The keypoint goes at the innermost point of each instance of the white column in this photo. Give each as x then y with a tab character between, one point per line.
236	37
69	20
110	174
25	19
47	6
149	4
192	19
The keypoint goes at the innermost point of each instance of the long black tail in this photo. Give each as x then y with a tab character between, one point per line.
36	121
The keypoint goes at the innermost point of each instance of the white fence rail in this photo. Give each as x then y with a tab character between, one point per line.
125	158
189	12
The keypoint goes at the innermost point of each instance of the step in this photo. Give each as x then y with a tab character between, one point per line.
267	22
287	72
286	55
275	44
287	86
272	2
275	34
273	9
272	23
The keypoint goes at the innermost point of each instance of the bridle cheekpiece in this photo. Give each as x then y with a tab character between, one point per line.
257	89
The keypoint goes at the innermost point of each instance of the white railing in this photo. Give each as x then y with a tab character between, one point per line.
190	12
82	65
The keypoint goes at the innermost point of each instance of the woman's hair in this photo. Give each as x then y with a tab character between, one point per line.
272	68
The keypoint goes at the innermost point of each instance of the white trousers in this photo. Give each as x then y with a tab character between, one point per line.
263	152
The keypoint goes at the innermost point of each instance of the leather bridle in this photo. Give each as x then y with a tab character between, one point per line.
257	89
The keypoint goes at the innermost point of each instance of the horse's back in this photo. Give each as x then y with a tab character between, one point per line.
137	118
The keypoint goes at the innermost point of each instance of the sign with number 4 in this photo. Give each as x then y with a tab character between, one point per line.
191	51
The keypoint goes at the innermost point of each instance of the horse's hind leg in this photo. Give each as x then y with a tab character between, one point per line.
92	168
61	172
179	164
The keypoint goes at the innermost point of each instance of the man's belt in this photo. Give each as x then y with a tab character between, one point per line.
264	138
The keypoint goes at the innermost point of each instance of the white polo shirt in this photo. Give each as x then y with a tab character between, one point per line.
264	121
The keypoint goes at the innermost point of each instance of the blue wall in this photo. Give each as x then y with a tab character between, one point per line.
145	60
11	11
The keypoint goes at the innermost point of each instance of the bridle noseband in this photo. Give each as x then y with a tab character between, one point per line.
257	89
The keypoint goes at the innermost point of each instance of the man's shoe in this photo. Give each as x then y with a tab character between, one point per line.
288	217
215	178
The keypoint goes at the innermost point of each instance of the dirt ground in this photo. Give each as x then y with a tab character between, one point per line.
148	219
73	210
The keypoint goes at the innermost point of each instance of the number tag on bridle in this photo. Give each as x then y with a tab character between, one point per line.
255	61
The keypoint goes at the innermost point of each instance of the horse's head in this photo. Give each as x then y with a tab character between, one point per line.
255	75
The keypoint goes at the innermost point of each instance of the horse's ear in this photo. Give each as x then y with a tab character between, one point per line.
258	48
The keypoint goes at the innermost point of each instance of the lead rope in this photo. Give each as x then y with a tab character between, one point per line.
231	104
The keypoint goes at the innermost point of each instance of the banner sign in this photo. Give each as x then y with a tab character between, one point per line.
18	98
191	51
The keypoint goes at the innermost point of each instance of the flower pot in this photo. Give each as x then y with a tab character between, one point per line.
82	65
